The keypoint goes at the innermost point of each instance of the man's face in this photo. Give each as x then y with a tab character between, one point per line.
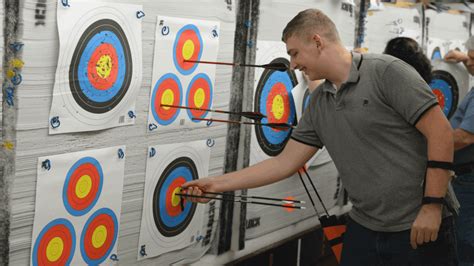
305	55
470	62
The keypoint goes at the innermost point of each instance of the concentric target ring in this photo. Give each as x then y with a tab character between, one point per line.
82	186
100	72
273	98
99	236
445	87
188	45
171	215
55	244
199	94
168	90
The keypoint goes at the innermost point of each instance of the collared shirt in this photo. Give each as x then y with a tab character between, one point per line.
368	128
464	118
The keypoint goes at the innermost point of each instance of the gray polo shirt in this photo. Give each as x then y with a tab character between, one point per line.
368	129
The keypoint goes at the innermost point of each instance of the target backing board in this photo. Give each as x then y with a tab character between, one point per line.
273	98
180	83
170	222
77	210
99	68
389	23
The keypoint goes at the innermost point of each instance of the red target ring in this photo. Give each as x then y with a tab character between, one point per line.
199	95
173	202
103	67
167	91
55	244
439	94
278	105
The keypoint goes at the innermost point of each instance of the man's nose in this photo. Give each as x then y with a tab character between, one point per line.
293	65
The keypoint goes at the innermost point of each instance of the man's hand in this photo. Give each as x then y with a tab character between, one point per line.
456	56
426	225
198	188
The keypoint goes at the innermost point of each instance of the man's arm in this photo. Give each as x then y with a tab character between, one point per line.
439	135
462	138
293	157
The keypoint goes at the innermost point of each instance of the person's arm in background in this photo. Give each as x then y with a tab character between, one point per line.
462	138
439	135
458	56
293	157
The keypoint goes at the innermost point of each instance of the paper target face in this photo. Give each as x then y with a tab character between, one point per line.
178	40
168	90
436	49
199	94
172	213
188	45
444	86
99	236
273	99
83	186
55	244
170	222
99	67
436	54
77	207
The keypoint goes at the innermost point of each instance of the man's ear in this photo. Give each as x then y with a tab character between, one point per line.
318	41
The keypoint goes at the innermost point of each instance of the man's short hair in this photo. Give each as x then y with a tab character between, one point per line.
308	21
470	43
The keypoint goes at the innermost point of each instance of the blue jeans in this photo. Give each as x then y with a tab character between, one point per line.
365	247
463	186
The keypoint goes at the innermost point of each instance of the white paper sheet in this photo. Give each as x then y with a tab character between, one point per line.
180	83
166	165
79	190
99	68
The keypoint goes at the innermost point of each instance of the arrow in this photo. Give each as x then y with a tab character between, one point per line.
250	115
275	66
275	125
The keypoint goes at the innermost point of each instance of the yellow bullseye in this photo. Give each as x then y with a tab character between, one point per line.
188	49
278	107
104	66
99	236
167	98
83	186
175	200
199	97
54	249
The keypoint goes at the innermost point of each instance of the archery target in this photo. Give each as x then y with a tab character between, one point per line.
168	90
99	66
82	186
273	97
188	45
170	222
77	208
177	40
436	54
450	83
55	244
436	49
199	94
99	236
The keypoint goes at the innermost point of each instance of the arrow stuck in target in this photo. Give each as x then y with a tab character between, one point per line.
250	115
274	66
274	125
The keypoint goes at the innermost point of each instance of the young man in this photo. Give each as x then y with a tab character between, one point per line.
463	123
381	124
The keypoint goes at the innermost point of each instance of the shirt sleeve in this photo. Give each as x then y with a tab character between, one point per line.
305	132
468	118
406	92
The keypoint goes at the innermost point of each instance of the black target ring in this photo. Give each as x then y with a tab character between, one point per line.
175	174
85	94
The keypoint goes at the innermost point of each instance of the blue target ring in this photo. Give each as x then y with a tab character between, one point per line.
436	54
172	220
39	257
188	32
87	88
107	219
203	81
273	141
75	205
306	100
167	81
